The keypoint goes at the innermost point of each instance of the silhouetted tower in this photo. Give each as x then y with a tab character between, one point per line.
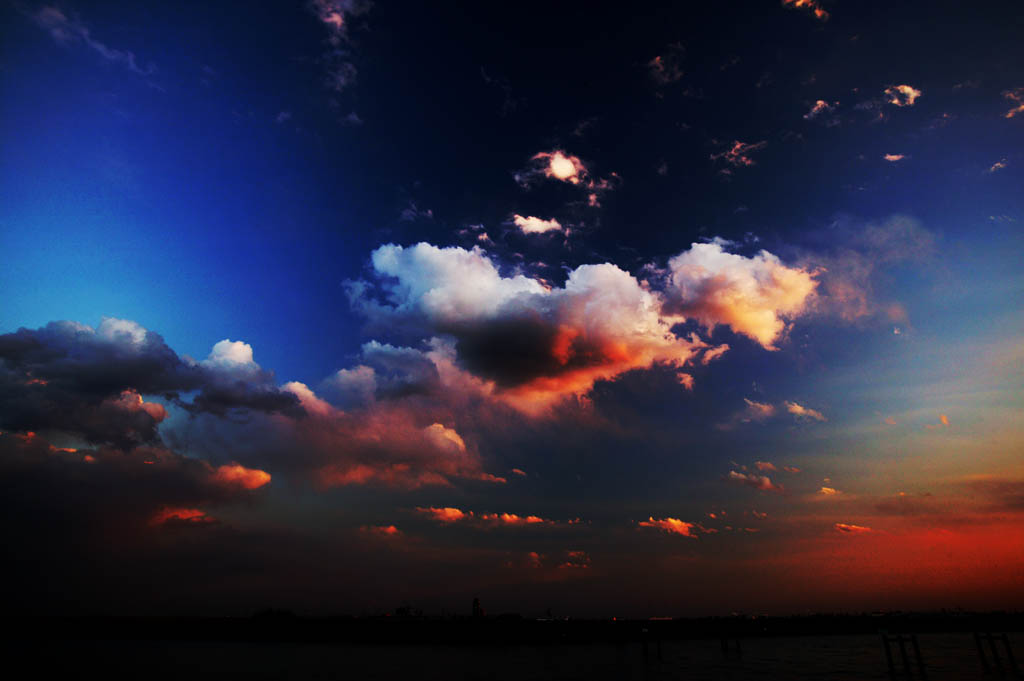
477	610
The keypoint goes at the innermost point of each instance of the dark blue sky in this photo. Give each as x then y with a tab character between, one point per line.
837	200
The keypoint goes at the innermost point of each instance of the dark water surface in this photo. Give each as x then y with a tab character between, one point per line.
948	657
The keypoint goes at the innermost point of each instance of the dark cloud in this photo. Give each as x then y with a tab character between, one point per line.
70	378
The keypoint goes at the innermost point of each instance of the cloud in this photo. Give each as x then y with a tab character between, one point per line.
445	514
673	526
68	31
563	167
412	212
765	466
845	528
998	165
246	478
383	531
901	95
448	515
802	413
737	154
666	68
380	444
943	423
820	107
532	225
829	491
758	482
335	16
812	6
757	411
855	256
531	344
181	516
754	296
893	158
575	560
1016	96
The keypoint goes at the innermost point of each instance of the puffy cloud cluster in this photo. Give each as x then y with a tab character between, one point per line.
528	344
759	482
534	225
447	515
754	296
812	6
381	444
563	167
901	95
673	526
531	344
820	107
89	383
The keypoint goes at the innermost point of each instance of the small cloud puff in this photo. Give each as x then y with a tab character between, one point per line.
902	95
534	225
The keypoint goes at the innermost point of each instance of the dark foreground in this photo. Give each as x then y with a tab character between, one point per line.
278	646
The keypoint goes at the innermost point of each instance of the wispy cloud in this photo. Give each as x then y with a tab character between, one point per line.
759	482
335	16
66	30
738	153
1016	95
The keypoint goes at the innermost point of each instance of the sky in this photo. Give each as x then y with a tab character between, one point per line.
673	309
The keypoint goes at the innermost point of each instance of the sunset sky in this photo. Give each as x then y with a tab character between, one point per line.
617	310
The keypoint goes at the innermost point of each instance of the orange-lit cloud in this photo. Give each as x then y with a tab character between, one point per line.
1016	96
791	469
804	413
753	296
672	526
236	474
534	225
812	6
519	472
829	491
893	158
820	107
998	165
379	444
576	560
446	514
765	466
758	482
561	166
846	528
600	324
180	516
902	95
758	411
385	531
737	155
